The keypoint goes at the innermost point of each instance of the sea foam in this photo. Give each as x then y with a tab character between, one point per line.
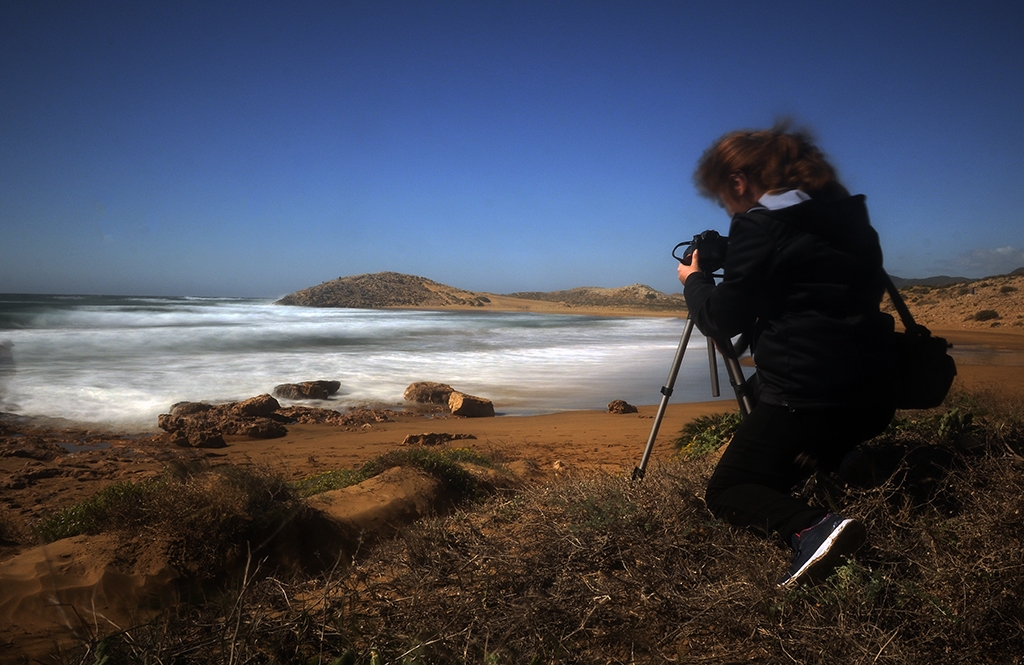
122	361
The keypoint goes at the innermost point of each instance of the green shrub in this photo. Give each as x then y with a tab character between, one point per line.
986	315
956	423
121	505
707	434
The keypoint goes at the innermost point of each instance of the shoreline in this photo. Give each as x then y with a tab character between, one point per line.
998	350
504	304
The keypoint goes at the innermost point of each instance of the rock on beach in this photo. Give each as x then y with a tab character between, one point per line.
621	406
470	406
320	389
428	392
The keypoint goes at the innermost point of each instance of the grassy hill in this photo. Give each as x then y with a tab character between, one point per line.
381	290
396	290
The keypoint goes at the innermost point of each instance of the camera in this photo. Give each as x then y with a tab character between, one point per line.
711	245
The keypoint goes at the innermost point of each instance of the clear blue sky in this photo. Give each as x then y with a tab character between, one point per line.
255	148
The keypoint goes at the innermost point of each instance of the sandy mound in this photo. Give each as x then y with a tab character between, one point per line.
383	503
74	588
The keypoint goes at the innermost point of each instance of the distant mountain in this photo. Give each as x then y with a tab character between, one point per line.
944	280
592	296
396	290
938	280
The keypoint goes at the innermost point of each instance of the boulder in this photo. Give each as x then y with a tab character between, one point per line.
428	392
307	390
261	405
189	408
620	406
469	406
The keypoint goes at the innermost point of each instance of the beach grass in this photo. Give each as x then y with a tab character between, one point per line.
445	464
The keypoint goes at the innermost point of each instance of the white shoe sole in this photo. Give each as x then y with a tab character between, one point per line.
844	540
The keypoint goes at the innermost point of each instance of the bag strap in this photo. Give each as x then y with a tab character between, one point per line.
901	307
906	317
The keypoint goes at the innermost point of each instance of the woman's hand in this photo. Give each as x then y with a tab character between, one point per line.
685	271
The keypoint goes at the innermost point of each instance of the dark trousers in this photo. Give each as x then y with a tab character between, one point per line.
774	449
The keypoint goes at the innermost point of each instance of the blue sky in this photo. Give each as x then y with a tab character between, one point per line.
254	148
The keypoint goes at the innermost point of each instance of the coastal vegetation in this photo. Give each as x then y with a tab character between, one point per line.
593	567
392	289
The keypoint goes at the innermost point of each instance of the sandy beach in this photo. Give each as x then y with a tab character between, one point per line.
38	585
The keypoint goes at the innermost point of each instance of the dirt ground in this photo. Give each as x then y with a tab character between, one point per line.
44	467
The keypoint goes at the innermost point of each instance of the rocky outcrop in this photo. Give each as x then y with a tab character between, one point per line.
191	432
259	406
356	417
31	447
621	406
307	390
470	406
202	425
428	392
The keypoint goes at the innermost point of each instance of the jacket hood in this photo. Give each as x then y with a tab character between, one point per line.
843	223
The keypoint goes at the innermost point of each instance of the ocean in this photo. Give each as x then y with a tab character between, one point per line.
122	361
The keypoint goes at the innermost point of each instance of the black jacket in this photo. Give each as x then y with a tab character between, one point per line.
806	281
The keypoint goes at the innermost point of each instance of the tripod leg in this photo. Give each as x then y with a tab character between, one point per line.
666	392
739	384
713	368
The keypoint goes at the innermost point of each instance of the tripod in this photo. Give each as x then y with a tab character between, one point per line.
732	365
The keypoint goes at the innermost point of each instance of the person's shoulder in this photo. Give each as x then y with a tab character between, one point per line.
749	229
757	220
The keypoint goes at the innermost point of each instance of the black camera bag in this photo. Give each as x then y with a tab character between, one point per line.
923	370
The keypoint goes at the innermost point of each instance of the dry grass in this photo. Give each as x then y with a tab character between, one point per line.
598	569
206	517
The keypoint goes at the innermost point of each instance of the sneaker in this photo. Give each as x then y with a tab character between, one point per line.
820	548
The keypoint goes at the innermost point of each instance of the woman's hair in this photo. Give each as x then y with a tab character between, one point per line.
775	159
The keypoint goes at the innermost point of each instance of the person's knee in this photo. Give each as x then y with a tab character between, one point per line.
712	498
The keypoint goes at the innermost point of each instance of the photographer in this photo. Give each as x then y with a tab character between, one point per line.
803	277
